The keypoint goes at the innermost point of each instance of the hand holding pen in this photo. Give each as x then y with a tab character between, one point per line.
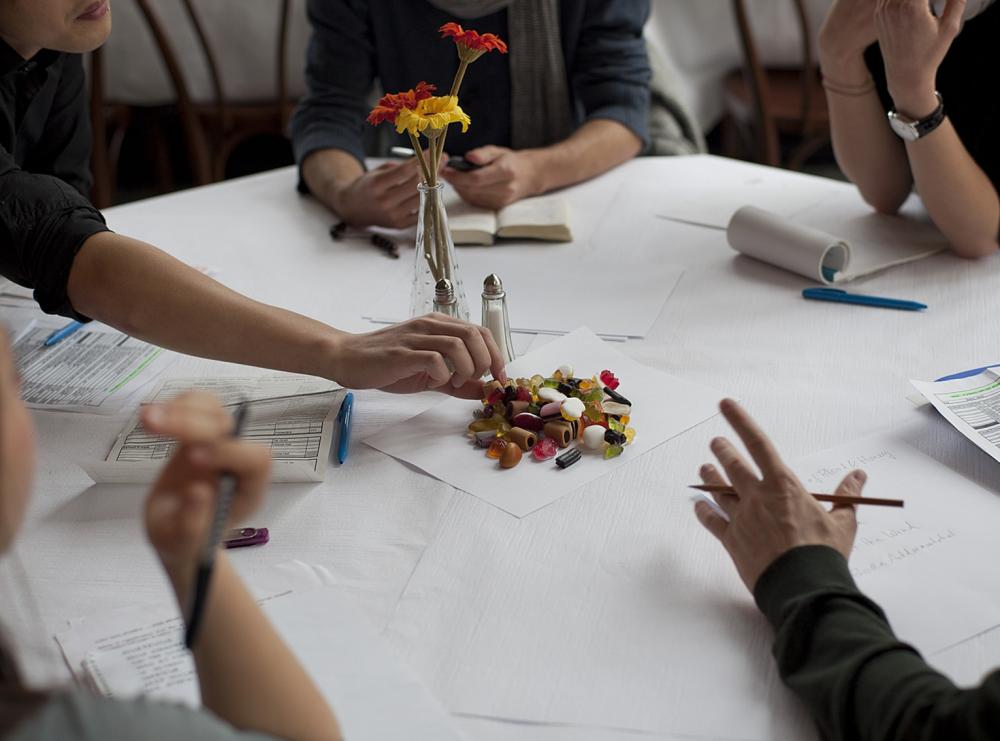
183	502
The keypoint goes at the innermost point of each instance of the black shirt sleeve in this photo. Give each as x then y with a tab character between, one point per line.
836	651
64	147
43	224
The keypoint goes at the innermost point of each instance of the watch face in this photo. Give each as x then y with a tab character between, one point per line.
904	130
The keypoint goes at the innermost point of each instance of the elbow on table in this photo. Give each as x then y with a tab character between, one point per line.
975	247
885	202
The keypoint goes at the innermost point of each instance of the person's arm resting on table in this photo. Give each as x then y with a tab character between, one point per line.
833	645
609	77
955	190
328	124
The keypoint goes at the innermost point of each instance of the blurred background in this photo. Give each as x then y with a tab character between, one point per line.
188	92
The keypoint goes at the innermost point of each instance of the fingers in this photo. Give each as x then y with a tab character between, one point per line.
743	477
757	443
951	18
190	418
711	476
712	521
485	155
470	349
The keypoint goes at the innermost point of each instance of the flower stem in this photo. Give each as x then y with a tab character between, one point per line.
463	65
419	152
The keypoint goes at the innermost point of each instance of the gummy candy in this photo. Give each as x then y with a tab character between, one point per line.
497	422
496	396
613	451
529	421
496	448
608	379
544	449
523	394
564	372
629	435
616	425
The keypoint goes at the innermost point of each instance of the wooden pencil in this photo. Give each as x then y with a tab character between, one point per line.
832	498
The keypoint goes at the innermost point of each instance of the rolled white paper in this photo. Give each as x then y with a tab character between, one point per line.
777	241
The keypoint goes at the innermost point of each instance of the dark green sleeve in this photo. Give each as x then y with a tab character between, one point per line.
836	651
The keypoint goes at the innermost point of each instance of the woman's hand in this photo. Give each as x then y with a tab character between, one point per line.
772	514
914	42
181	504
429	352
848	30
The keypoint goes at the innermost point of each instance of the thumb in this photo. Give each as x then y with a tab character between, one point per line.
485	155
851	486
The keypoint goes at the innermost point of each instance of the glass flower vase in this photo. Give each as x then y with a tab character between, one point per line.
435	255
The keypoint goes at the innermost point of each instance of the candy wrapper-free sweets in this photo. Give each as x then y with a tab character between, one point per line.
542	416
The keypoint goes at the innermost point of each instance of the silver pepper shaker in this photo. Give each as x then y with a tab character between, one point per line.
495	315
444	298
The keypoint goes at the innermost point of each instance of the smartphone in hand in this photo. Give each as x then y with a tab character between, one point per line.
462	165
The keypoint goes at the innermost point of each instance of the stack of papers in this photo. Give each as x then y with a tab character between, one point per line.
662	407
294	416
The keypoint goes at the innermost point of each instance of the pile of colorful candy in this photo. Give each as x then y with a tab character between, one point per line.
542	415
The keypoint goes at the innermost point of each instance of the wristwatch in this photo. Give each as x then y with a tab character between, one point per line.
910	131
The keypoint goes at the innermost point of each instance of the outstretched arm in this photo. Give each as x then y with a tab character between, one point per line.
150	295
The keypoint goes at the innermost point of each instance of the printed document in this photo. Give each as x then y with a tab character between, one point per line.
971	405
294	416
95	370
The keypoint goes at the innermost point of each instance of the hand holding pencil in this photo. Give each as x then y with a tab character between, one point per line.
763	516
182	502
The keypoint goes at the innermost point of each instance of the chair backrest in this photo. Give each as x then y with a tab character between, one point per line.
756	74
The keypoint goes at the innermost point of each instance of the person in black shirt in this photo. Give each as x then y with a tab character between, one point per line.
833	645
54	241
934	70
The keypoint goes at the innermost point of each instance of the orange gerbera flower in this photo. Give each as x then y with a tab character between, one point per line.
391	104
473	39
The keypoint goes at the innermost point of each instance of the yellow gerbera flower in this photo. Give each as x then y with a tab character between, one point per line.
432	115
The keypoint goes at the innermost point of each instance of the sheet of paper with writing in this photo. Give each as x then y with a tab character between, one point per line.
618	610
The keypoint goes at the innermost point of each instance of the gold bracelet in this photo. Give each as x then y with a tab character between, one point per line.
851	90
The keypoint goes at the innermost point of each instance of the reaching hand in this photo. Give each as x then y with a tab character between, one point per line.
180	506
773	514
914	42
429	352
506	176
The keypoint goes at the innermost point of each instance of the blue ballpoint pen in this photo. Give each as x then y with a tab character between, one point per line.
61	334
838	295
344	417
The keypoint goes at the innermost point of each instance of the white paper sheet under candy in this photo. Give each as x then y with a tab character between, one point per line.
663	407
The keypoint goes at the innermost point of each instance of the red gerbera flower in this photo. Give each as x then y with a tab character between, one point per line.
473	39
391	104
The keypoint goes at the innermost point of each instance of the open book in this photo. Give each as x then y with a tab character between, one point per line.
545	218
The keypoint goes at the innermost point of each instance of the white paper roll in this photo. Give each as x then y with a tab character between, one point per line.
777	241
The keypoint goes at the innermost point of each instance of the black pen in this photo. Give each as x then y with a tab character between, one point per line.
206	561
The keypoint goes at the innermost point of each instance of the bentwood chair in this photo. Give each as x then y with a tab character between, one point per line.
211	130
765	105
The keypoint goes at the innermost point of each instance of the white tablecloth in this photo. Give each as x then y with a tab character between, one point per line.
814	374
